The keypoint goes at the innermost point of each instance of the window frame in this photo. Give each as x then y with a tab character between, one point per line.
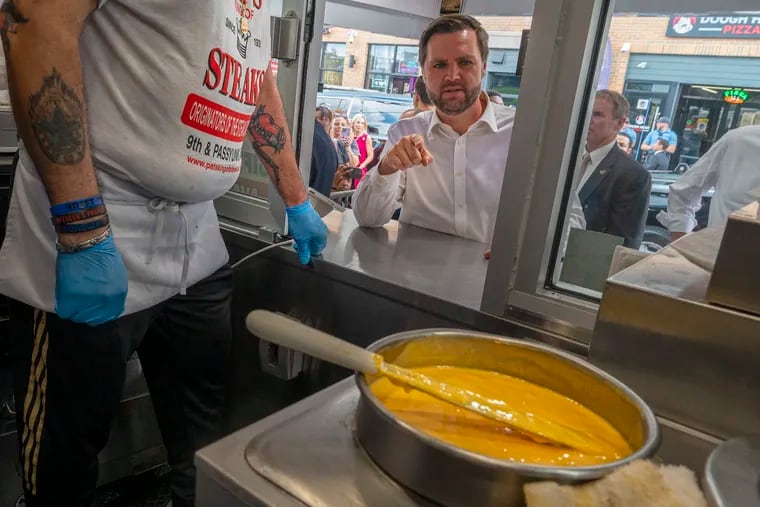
532	210
537	186
388	76
323	69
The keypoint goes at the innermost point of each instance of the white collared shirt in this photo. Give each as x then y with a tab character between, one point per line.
596	158
458	193
732	166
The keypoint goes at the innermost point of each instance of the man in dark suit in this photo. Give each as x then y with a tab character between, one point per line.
614	189
324	156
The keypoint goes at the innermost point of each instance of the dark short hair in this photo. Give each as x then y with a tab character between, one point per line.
620	106
628	135
493	93
664	142
324	112
452	23
421	90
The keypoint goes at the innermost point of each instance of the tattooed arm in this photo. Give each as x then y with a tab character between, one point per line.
41	42
271	140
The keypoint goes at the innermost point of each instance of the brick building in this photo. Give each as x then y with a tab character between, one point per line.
662	73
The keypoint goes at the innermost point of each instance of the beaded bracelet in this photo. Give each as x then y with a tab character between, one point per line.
85	227
78	205
84	245
76	216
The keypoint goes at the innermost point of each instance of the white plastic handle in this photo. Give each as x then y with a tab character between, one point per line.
290	333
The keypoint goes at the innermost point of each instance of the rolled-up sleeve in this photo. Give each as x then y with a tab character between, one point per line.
685	197
378	196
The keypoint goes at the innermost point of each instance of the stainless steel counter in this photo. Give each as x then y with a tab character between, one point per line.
303	455
415	277
731	473
429	262
695	363
307	455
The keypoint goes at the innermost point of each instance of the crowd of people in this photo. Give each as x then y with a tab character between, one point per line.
442	165
342	151
420	175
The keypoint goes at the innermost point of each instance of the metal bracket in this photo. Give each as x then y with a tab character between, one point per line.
285	37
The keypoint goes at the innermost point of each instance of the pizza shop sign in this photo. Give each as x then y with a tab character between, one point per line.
726	26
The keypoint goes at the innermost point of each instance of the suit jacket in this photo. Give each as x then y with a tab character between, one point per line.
324	161
659	161
615	198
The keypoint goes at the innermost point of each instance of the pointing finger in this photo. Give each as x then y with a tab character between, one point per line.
427	158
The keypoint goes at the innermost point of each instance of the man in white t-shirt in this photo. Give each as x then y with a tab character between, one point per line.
132	115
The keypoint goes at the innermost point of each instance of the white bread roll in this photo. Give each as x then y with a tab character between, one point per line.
638	484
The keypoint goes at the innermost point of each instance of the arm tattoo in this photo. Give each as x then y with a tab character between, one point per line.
9	18
265	133
56	114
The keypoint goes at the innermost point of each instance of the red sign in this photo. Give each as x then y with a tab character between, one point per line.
214	119
716	25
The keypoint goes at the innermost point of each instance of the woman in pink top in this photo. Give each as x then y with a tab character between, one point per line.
364	144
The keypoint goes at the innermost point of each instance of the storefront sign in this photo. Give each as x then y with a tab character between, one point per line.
718	25
735	96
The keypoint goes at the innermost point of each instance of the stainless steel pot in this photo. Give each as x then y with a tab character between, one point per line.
454	477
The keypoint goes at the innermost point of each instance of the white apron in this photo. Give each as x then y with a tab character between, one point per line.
170	87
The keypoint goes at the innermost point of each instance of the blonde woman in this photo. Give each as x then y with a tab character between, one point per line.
363	142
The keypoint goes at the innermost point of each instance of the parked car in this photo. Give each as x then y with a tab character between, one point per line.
381	109
655	235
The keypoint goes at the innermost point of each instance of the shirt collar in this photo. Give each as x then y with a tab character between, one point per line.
488	116
598	154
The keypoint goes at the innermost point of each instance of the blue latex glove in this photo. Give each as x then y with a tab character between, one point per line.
91	285
307	230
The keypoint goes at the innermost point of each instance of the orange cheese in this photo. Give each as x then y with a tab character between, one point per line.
478	434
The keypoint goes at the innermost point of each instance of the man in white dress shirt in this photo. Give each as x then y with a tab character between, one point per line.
444	167
731	166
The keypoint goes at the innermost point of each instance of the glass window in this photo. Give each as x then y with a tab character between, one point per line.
406	60
381	58
508	85
688	80
331	63
392	69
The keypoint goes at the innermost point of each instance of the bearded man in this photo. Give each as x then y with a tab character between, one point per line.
444	168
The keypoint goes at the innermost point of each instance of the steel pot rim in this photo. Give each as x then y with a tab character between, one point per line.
582	473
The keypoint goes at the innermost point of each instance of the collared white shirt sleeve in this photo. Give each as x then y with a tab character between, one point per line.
685	197
377	196
731	166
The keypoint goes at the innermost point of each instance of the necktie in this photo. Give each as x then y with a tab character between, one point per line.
585	162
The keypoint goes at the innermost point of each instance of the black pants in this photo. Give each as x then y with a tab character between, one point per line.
69	377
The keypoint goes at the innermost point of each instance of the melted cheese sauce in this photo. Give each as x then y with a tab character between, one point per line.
475	433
